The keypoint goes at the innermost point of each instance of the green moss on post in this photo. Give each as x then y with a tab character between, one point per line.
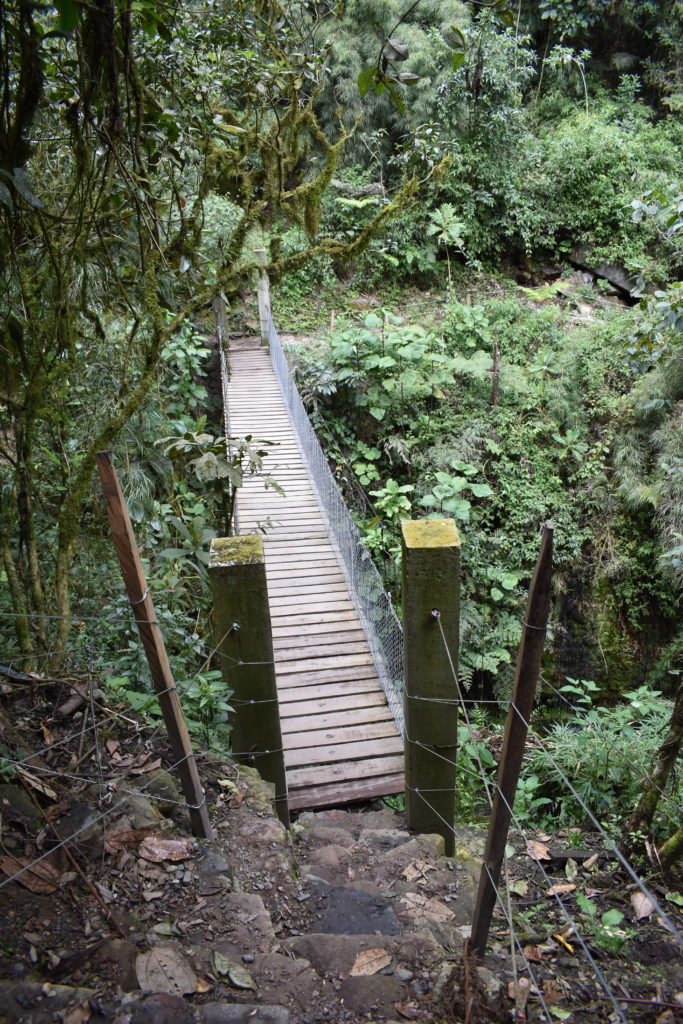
431	585
245	646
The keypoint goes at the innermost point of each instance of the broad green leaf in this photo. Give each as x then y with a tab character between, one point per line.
458	60
366	80
68	14
453	37
612	918
481	490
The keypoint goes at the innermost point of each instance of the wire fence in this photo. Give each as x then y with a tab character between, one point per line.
579	929
373	604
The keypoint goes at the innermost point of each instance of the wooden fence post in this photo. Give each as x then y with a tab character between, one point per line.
245	645
527	672
263	299
153	642
431	605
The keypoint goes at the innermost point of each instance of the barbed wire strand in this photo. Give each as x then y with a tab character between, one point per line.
610	842
420	793
612	845
87	825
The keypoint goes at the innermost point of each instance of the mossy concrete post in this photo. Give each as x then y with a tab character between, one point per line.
263	298
245	646
431	616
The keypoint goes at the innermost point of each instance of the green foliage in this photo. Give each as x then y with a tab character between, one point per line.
606	752
607	934
205	702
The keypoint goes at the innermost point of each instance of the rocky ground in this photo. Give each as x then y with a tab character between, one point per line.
346	917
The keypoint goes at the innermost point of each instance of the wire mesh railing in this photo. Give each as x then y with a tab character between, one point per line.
373	604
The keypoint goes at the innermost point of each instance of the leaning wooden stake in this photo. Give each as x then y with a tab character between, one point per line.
153	642
431	606
245	645
524	691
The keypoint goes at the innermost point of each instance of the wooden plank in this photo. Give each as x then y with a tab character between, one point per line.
322	774
307	640
345	752
338	736
346	792
340	681
308	607
282	619
330	663
320	691
369	703
284	656
335	719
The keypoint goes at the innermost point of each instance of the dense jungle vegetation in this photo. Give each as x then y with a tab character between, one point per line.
488	197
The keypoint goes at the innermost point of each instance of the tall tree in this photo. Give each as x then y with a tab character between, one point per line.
120	122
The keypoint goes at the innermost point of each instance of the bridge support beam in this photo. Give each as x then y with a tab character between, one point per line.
431	612
244	644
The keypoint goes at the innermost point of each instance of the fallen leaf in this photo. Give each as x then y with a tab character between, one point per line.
220	964
228	784
551	991
370	961
560	1013
240	977
410	1011
36	783
567	945
203	985
108	895
534	954
48	736
151	894
78	1014
561	888
41	877
157	849
519	887
165	970
536	850
591	862
112	745
149	766
417	869
422	908
642	905
571	870
120	838
166	928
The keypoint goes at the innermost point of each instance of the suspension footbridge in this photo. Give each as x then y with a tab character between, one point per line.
336	639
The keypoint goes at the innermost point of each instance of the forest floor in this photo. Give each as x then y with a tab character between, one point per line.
124	917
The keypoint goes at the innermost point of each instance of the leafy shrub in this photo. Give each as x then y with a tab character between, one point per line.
605	753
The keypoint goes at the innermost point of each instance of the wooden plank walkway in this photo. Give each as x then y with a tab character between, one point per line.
341	742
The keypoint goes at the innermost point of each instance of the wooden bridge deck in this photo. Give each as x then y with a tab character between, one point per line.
341	742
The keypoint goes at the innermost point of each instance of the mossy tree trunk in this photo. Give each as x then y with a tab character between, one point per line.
653	789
